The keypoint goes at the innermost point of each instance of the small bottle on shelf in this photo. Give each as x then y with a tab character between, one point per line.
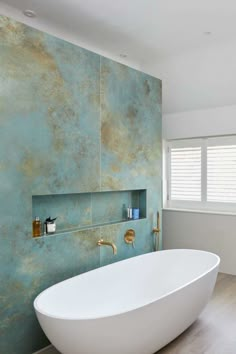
36	227
129	213
135	213
50	225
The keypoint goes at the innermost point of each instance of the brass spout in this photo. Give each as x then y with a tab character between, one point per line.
107	243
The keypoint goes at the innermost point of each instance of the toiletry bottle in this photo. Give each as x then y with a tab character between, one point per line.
50	225
135	213
129	212
124	212
36	227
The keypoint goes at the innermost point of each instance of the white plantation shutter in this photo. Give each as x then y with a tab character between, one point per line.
185	173
221	173
201	174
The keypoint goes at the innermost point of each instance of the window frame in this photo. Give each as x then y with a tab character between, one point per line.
202	205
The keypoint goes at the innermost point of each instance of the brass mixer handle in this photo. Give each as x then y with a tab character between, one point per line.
156	229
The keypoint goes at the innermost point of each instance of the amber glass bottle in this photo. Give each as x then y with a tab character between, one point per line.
36	227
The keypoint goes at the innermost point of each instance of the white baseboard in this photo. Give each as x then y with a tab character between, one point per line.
43	350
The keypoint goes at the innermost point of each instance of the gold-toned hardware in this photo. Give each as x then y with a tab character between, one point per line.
101	242
129	236
157	229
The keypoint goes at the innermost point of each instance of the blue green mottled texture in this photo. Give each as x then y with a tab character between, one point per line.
70	122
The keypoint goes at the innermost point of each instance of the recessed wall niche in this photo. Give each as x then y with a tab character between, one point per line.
84	210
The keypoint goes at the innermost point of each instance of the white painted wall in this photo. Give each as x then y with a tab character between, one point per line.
210	232
199	78
199	123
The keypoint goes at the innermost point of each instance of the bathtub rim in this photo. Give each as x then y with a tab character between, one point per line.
45	313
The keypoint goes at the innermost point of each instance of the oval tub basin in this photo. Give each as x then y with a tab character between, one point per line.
135	306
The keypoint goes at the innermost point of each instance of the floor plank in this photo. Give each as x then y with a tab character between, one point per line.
214	332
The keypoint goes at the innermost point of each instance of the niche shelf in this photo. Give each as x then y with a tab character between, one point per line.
80	211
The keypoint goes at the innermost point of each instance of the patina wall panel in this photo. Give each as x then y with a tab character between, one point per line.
70	122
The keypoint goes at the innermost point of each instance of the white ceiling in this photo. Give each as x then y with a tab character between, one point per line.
151	33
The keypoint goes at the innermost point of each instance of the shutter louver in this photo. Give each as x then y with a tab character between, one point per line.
221	174
186	173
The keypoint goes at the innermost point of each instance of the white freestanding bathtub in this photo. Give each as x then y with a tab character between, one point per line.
135	306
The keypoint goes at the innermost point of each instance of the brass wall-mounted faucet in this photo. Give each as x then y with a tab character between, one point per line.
107	243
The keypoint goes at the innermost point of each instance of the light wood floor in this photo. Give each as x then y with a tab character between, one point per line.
214	332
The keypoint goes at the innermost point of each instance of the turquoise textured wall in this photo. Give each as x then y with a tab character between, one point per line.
71	121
